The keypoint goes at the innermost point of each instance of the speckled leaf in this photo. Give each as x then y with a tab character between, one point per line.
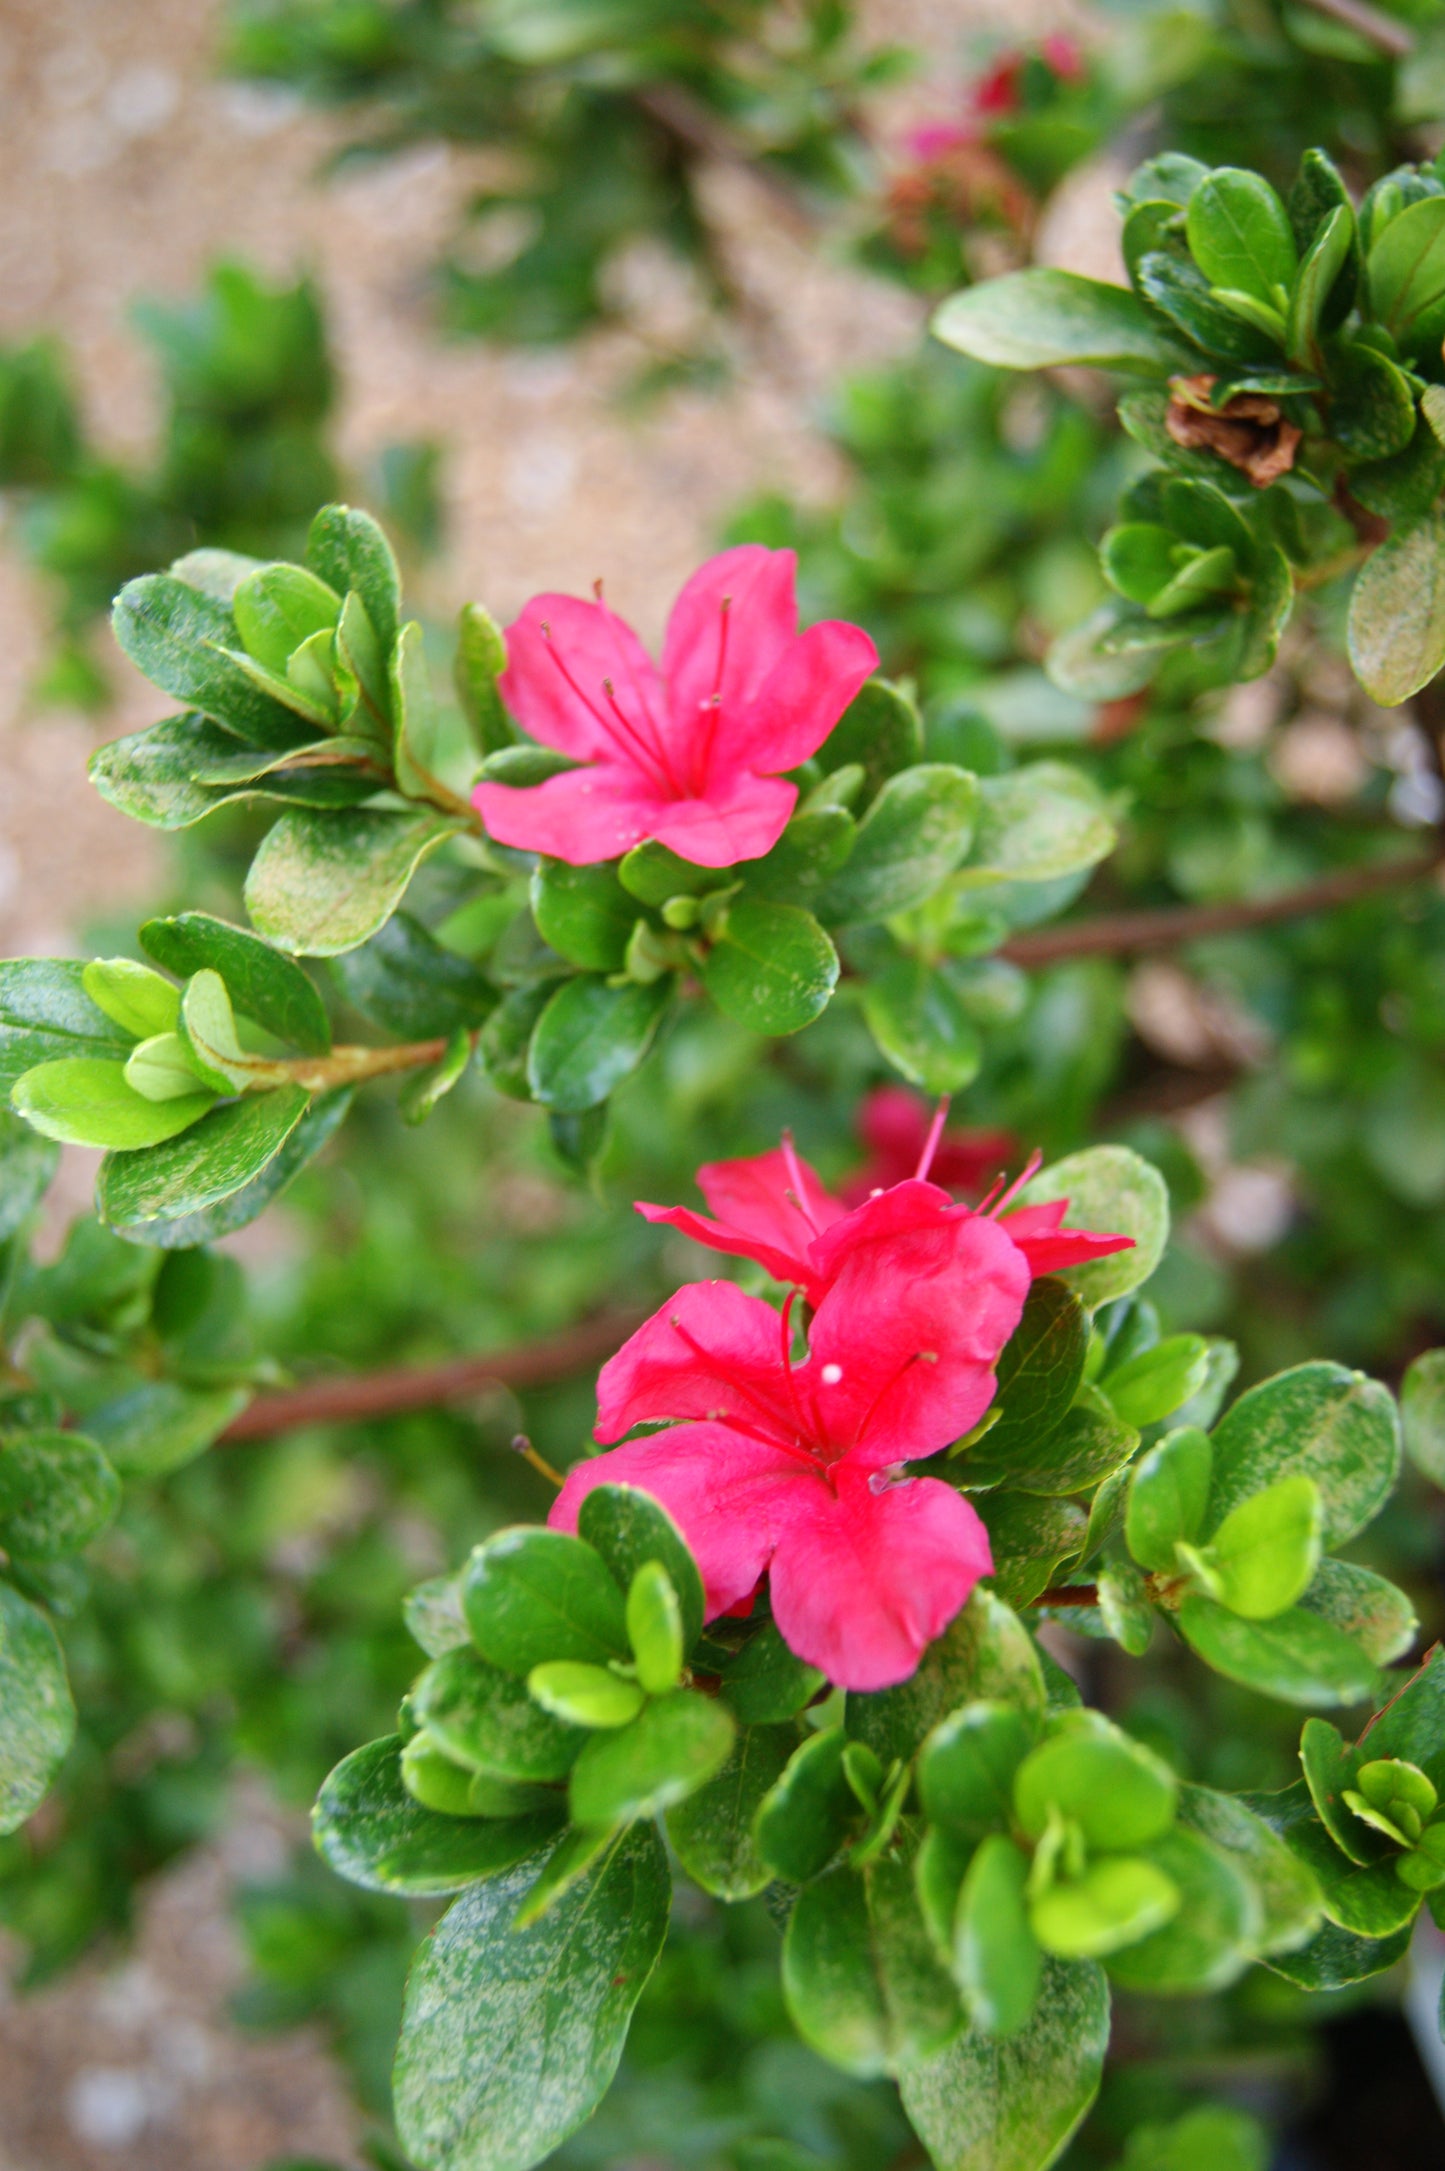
484	1718
1397	613
1211	1939
510	2037
348	550
1412	1724
588	1038
1038	823
921	1025
984	1652
1334	1957
1087	1446
374	1834
713	1829
771	967
1422	1414
1011	2105
674	1746
56	1491
807	1814
1030	1539
914	835
1319	1421
179	1232
1046	319
324	883
406	982
46	1015
1111	1190
262	982
763	1683
159	1425
1374	1613
37	1717
179	771
213	1160
1286	1889
174	634
27	1166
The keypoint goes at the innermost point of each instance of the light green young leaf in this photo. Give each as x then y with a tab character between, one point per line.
83	1101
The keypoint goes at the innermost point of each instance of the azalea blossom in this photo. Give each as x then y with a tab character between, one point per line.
773	1208
896	1125
793	1468
691	753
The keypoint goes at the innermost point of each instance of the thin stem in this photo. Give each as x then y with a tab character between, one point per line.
1068	1594
1122	933
350	1065
369	1395
1372	24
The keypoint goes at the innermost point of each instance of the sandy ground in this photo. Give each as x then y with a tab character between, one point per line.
125	168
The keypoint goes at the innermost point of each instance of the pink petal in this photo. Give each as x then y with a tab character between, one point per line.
1048	1246
769	1207
783	1265
903	1207
862	1580
581	816
799	704
902	1348
727	1495
553	683
740	817
707	651
710	1352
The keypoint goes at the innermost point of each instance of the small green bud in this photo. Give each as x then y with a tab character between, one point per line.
654	1628
584	1695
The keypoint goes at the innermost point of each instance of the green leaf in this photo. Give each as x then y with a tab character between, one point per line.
83	1101
1412	1724
1318	192
46	1016
175	634
1325	259
1405	267
1110	1904
1264	1554
27	1168
921	2009
1168	1496
263	983
1287	1891
629	1528
1030	1539
589	1037
404	981
1210	1939
1047	319
375	1834
652	874
159	1425
1012	2105
921	1025
207	1225
807	1812
485	1719
811	849
713	1830
481	659
584	913
1398	613
531	1594
139	1001
985	1652
1148	1387
997	1963
1112	1191
584	1695
1328	1764
1373	1613
1088	1445
1038	823
771	967
56	1491
183	769
1319	1421
208	1035
1039	1371
1297	1657
1422	1414
674	1745
37	1717
1119	1794
654	1628
1240	235
914	835
967	1765
278	607
324	883
838	1958
211	1161
347	550
764	1683
1372	412
1125	1608
433	1614
510	2037
881	730
1369	1900
574	1855
1335	1957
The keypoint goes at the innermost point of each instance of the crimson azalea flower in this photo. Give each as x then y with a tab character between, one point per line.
896	1126
773	1208
793	1468
690	754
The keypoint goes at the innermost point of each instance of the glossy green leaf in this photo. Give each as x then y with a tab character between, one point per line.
1088	1444
1037	824
1212	1936
510	2037
87	1101
1111	1190
921	1025
1412	1723
1039	1371
763	1683
997	1963
37	1717
862	1983
57	1490
406	982
1286	1890
1405	267
1119	1794
1047	319
324	883
1031	1538
139	1001
176	635
1367	1899
1168	1496
481	659
1326	257
1240	234
984	1653
807	1812
375	1834
589	1037
627	1528
278	607
584	1695
179	771
584	913
263	983
1153	1384
654	1628
1011	2105
1111	1904
211	1161
673	1747
967	1765
713	1830
1334	1958
1319	1421
1265	1552
1296	1656
914	835
771	967
531	1594
348	551
811	849
486	1720
1372	413
880	729
207	1225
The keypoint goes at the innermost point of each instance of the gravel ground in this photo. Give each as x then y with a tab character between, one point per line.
125	168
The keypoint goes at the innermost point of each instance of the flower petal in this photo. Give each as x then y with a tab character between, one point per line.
581	816
903	1347
783	1264
798	704
728	1496
740	817
707	651
862	1580
769	1207
559	652
1048	1246
710	1352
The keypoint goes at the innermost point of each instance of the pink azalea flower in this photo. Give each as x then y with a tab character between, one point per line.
895	1125
773	1209
792	1468
691	754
